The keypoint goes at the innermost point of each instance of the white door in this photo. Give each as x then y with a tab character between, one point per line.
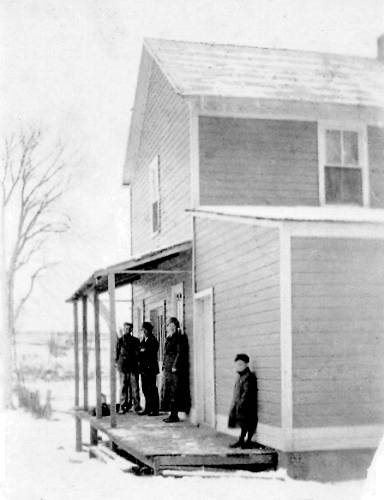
204	358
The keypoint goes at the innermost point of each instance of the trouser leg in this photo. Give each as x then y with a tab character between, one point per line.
151	394
243	433
174	396
135	390
124	396
144	386
154	395
129	391
249	431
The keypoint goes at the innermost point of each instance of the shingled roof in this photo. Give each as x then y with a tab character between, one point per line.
204	69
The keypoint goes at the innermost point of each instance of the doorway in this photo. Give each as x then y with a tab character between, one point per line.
157	316
204	358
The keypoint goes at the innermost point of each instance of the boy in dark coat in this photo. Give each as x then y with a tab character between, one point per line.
149	368
243	412
127	349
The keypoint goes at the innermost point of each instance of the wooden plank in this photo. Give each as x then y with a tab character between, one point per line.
78	434
96	309
78	437
167	461
93	437
376	161
112	345
76	352
217	473
111	458
85	354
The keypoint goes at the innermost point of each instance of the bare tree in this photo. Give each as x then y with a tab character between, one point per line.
32	177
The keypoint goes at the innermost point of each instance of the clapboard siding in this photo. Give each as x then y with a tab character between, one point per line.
242	264
376	165
165	132
337	331
258	162
153	289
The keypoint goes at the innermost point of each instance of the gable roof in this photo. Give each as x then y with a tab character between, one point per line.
206	69
256	75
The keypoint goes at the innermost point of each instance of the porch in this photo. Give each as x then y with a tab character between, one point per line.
148	440
159	446
106	281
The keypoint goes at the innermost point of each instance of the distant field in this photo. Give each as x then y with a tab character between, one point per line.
46	363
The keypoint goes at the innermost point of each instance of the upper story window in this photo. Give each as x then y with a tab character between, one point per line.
343	166
154	180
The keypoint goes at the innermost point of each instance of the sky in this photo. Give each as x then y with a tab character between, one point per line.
72	66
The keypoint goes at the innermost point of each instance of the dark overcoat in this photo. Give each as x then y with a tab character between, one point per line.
148	362
127	350
175	385
243	412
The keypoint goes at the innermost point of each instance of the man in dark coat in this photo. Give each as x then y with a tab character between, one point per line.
149	368
127	349
243	412
175	372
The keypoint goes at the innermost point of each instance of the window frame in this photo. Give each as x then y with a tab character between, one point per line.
154	170
361	130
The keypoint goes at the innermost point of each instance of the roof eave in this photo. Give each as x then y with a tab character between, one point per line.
131	264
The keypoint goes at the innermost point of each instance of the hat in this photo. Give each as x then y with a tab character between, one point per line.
147	326
242	357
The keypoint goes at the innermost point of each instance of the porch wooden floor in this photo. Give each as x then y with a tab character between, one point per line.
180	445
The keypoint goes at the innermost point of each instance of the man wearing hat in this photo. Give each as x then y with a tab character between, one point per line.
243	412
149	368
127	348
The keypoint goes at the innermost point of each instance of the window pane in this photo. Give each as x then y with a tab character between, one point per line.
343	185
350	148
332	184
352	191
333	147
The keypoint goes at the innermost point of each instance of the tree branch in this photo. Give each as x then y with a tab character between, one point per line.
31	287
22	261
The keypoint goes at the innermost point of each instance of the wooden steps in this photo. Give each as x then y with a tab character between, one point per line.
109	457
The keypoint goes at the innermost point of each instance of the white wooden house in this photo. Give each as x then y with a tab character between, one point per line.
257	188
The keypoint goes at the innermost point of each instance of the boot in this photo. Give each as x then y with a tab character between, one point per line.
171	419
238	444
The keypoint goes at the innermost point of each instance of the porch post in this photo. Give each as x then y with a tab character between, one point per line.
77	375
112	343
97	354
85	353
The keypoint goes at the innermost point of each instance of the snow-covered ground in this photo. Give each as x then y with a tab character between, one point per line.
41	464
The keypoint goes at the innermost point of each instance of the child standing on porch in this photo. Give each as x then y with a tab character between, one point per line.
243	412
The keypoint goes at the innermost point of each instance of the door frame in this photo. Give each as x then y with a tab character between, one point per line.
175	290
199	383
156	305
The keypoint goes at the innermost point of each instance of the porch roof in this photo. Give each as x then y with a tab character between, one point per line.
295	213
125	271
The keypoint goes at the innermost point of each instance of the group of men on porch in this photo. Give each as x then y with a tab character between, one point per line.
138	357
